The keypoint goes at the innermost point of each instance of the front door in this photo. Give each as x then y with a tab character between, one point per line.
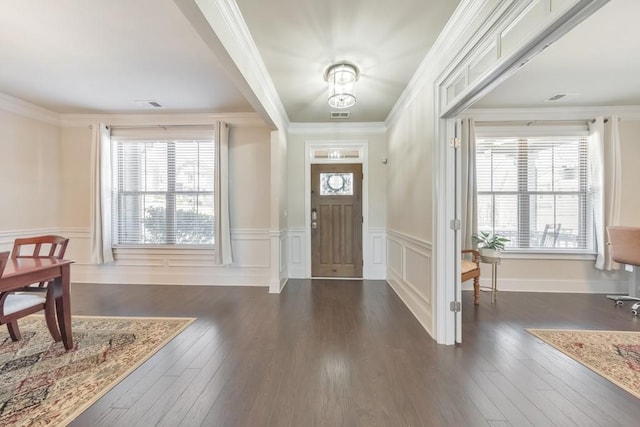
336	220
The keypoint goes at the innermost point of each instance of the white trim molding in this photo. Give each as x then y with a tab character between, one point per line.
375	257
297	256
409	272
362	146
331	128
165	119
165	266
27	109
279	272
626	112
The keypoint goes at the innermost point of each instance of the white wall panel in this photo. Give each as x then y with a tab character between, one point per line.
408	273
417	271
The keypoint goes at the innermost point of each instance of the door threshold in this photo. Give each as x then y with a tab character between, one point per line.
337	278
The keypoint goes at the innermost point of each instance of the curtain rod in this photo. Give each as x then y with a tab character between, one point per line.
157	126
530	122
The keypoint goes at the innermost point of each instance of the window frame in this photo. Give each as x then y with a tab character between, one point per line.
523	194
174	137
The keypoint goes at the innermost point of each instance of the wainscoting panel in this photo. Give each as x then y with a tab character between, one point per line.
164	266
409	274
296	253
279	273
375	262
375	255
417	271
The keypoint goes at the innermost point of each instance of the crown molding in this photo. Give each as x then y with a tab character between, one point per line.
335	128
226	21
27	109
167	119
450	35
625	112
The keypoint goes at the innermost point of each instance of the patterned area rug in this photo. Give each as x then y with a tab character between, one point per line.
613	354
42	384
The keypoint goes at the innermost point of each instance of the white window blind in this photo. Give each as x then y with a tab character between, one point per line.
163	188
536	191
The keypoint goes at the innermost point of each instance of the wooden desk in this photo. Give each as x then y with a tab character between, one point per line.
25	271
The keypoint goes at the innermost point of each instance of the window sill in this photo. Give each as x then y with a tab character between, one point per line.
163	250
556	255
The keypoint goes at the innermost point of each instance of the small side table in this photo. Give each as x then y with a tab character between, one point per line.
494	261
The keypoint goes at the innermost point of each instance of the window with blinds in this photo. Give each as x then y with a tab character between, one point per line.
163	191
536	191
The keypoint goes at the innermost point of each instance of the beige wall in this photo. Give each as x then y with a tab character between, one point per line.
571	274
410	170
630	147
29	173
75	176
377	173
250	177
410	221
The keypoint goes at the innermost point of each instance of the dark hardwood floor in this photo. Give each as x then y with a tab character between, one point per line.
349	353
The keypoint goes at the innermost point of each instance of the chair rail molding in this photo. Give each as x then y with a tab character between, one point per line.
164	266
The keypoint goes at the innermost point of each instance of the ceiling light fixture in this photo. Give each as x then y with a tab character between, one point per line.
342	83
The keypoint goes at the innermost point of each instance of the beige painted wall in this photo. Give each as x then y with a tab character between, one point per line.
29	173
250	177
410	170
248	169
377	173
630	147
75	172
558	274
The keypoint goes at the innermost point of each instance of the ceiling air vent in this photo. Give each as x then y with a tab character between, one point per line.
340	114
149	104
557	97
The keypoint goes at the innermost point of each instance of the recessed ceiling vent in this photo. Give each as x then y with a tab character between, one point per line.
149	104
557	97
340	114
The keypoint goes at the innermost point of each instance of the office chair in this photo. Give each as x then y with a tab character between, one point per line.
624	243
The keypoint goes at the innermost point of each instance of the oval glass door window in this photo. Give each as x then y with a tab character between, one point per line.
336	184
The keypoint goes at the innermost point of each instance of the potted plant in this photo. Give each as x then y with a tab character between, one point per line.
490	245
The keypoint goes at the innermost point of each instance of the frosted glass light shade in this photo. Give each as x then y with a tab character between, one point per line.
342	84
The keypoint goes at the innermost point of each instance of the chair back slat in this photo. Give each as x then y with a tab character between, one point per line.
4	257
56	245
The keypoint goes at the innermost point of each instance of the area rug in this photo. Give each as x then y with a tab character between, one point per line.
613	354
42	384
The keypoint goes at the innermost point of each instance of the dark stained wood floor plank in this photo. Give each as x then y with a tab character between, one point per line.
349	353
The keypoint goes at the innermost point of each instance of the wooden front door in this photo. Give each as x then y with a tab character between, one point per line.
336	220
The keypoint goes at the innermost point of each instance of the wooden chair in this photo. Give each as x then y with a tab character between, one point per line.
15	306
471	270
31	299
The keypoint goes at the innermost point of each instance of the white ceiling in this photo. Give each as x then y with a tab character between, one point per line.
86	56
95	56
386	39
597	63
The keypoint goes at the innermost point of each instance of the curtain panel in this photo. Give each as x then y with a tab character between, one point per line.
100	211
223	229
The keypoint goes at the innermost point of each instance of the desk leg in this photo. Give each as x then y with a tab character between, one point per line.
63	305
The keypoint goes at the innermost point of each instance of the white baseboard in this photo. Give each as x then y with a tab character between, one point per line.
555	286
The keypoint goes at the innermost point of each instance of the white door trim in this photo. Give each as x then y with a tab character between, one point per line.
362	147
450	101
